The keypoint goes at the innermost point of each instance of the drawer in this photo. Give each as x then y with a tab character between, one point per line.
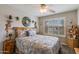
8	47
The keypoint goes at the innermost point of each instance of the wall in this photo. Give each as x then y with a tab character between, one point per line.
5	11
70	15
78	16
2	32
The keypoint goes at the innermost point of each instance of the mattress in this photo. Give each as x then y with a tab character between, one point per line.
38	44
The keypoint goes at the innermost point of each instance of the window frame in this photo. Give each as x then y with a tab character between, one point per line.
59	18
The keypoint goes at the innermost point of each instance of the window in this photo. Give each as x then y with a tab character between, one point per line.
55	26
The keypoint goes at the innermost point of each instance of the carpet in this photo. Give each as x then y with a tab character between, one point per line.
66	50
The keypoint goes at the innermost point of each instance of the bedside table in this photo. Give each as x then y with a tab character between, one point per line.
76	50
73	43
8	46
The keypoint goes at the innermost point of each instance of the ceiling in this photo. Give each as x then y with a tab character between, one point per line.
34	9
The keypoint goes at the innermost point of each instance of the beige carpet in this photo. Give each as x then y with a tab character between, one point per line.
66	50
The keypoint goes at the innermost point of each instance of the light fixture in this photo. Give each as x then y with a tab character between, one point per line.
43	8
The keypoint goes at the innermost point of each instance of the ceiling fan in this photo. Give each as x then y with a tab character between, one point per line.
44	8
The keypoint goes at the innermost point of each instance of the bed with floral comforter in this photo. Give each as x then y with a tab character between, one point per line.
38	44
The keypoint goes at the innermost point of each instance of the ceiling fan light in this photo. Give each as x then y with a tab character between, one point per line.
43	8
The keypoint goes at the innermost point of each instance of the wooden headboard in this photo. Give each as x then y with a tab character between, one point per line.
22	28
17	29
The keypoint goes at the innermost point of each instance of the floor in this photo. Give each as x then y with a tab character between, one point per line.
66	50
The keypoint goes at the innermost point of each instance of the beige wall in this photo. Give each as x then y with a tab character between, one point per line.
78	16
5	11
70	15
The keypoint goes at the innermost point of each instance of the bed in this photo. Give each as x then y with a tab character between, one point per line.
37	44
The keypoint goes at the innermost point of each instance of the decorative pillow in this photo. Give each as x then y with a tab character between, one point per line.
27	33
22	34
32	32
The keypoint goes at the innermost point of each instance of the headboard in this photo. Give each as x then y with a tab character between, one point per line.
20	29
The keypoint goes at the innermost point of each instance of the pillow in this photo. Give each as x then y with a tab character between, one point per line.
19	32
24	33
27	33
32	32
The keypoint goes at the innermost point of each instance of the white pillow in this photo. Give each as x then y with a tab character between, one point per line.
32	32
22	34
27	33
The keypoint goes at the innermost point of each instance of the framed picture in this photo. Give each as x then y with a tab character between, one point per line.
26	21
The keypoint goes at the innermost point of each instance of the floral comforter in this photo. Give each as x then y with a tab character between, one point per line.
38	44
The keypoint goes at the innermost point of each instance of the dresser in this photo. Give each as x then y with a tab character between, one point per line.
8	46
73	43
76	50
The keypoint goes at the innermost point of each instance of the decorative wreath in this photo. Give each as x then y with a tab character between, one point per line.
26	21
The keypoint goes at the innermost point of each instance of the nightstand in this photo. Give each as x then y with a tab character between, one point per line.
76	50
73	43
8	46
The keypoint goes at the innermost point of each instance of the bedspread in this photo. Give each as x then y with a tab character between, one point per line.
38	44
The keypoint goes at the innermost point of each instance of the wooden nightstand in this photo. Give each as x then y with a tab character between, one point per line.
8	46
73	43
76	50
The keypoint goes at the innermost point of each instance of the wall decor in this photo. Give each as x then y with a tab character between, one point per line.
10	16
26	21
33	21
17	18
8	28
35	24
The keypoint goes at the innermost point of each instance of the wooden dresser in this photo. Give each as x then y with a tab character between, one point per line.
8	46
73	43
76	50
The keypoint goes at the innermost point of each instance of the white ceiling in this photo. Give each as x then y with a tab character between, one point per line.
34	9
